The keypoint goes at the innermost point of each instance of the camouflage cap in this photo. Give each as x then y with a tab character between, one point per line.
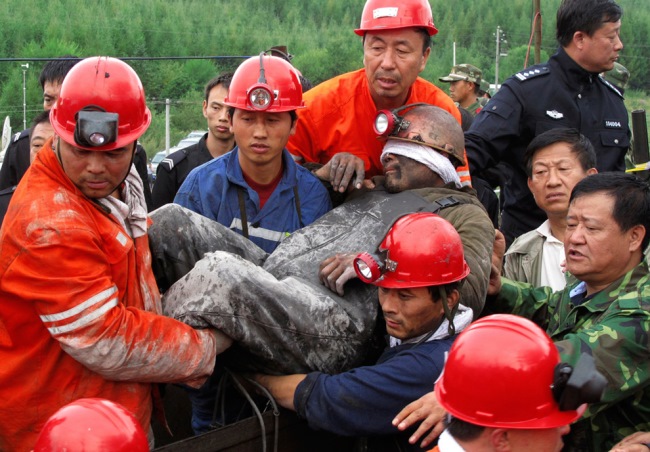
618	75
485	86
465	72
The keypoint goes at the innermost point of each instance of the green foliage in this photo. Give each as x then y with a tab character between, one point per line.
319	34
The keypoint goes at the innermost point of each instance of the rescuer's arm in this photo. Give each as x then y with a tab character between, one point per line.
282	388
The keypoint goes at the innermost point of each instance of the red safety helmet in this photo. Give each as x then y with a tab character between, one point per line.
265	83
101	106
423	124
500	374
394	14
421	250
88	425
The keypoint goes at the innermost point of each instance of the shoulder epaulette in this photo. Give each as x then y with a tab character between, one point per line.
8	190
173	159
531	73
20	135
610	86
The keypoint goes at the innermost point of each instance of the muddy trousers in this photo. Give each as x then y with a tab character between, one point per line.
290	325
213	277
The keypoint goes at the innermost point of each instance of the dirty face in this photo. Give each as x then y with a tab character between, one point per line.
402	173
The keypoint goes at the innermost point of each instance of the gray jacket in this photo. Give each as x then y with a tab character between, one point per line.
523	260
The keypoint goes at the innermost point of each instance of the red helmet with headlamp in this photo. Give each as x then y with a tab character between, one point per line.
265	83
418	124
504	371
420	250
102	105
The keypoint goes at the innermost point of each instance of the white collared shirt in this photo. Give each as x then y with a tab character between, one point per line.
447	443
552	259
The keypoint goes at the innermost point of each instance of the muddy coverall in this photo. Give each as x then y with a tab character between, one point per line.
274	306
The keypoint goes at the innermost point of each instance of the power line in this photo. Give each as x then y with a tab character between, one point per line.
213	57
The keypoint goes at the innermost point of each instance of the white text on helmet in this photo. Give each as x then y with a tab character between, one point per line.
385	12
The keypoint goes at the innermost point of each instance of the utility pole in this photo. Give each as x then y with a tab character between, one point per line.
453	63
538	30
25	67
500	35
167	104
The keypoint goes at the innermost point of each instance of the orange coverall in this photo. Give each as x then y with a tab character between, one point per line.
80	310
340	115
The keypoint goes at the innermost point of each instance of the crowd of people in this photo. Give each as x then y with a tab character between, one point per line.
340	247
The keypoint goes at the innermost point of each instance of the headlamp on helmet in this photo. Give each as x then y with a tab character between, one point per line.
261	96
95	128
573	386
371	267
420	128
390	122
418	250
265	83
525	387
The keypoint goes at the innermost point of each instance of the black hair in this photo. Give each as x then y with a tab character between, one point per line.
426	39
434	291
462	430
56	70
580	146
223	79
631	198
584	15
40	118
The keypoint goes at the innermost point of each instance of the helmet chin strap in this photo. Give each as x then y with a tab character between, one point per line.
449	313
135	148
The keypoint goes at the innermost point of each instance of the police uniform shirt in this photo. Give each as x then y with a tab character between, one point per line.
5	197
555	94
140	162
173	170
16	160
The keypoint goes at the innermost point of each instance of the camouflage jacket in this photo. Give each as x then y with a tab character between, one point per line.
614	327
475	108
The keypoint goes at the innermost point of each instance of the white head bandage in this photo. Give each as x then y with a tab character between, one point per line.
435	161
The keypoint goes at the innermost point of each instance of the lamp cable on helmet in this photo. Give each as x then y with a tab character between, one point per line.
261	96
